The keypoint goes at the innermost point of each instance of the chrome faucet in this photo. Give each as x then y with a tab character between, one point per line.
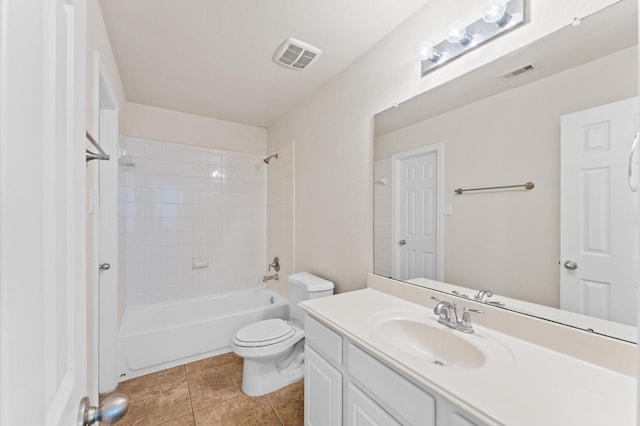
270	277
481	294
447	312
449	316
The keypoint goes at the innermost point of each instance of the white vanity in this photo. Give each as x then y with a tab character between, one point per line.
373	358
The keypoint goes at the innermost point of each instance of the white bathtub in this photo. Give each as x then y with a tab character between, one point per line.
159	336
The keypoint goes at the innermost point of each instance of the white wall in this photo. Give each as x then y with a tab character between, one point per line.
507	241
159	124
98	43
333	131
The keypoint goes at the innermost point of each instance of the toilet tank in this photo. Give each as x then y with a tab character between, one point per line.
305	286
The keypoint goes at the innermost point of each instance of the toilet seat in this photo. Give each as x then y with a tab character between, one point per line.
264	333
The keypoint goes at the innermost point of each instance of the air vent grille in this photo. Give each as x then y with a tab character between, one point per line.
519	71
296	54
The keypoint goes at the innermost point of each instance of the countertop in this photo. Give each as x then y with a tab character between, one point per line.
532	385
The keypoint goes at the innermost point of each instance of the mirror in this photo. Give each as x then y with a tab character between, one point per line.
485	129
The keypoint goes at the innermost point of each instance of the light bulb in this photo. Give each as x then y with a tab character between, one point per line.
495	12
426	51
457	33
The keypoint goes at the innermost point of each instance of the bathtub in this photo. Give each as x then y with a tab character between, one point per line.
159	336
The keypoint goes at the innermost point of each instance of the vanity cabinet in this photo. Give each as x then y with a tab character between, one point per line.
345	384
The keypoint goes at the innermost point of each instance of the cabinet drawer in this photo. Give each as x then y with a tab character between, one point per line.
324	340
407	402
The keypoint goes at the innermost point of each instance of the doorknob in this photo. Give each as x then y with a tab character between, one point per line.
104	267
571	265
112	409
402	242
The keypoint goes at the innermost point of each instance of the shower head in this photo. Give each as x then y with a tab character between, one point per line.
266	160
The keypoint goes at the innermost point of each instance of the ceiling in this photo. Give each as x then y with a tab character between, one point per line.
214	57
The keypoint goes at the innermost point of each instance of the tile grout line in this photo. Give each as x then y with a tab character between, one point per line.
186	373
274	410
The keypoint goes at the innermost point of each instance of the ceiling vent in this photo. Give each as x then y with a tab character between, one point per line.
519	71
296	54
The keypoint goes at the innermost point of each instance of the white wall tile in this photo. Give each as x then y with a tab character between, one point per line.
182	202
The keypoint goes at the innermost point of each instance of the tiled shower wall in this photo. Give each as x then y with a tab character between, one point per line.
193	221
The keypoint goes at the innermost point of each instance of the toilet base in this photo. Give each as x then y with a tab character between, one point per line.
260	377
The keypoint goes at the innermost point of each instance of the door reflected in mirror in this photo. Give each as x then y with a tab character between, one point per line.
495	131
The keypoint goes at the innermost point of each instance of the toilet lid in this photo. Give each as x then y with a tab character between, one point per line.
264	332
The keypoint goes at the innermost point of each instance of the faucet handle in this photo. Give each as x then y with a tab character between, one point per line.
481	294
465	322
275	264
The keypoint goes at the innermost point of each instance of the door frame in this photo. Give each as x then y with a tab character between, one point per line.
396	160
105	284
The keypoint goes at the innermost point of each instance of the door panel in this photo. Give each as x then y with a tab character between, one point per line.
599	215
43	301
416	215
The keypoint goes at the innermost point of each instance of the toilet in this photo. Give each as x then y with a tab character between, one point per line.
273	349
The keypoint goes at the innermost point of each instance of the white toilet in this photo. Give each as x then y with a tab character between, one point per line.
273	349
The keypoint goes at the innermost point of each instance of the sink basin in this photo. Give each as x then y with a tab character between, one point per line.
435	344
419	335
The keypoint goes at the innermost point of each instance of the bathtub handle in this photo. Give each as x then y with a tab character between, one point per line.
275	264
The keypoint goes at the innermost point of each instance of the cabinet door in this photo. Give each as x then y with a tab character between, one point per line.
322	391
363	411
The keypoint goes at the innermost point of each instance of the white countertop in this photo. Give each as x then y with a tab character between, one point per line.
533	386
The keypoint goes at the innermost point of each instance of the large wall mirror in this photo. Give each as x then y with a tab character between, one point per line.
561	113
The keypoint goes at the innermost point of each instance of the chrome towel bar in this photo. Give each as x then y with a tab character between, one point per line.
528	185
96	156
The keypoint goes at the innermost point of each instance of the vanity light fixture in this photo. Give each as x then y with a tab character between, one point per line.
426	52
457	33
496	13
498	17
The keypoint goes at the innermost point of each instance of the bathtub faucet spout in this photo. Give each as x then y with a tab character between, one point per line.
270	277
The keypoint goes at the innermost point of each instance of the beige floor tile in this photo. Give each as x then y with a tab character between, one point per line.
156	398
215	384
181	421
211	387
240	410
211	362
170	375
288	403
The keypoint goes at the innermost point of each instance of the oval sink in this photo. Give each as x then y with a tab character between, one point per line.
433	343
417	333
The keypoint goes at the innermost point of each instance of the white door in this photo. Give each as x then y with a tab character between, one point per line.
43	297
599	214
416	215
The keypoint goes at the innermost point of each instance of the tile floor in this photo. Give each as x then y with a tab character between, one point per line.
207	392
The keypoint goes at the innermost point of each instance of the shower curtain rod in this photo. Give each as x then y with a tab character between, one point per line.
96	156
